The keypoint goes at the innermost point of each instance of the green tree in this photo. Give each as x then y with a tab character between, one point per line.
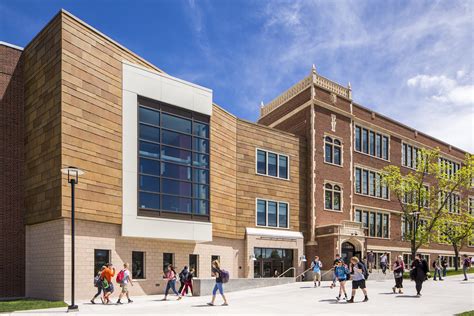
427	193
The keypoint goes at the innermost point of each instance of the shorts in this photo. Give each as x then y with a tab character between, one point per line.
110	288
317	276
124	288
341	280
358	284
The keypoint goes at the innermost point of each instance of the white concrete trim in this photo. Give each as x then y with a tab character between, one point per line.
421	250
265	232
11	45
140	82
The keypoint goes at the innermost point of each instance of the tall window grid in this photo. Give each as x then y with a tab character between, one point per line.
448	167
332	197
371	143
272	213
377	223
173	161
332	150
368	182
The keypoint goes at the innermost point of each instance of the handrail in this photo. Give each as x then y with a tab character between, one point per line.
292	268
302	273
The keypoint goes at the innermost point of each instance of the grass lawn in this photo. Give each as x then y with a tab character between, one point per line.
25	304
406	275
470	313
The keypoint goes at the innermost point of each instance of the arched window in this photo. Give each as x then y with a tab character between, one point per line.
332	200
332	150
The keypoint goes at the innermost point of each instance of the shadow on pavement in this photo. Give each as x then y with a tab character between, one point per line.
408	296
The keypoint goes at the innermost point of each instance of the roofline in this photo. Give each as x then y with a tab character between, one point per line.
72	16
410	128
11	45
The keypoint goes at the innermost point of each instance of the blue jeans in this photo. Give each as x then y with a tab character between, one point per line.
437	272
171	285
218	286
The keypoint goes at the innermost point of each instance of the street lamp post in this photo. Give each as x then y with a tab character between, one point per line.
415	226
73	174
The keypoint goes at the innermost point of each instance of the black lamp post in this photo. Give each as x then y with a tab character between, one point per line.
415	225
73	174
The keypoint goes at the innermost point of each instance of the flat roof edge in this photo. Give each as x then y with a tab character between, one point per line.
11	45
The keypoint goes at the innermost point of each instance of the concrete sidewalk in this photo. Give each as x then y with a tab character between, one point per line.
439	298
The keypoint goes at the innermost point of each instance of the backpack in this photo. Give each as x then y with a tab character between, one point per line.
97	281
120	276
224	276
434	264
364	270
105	284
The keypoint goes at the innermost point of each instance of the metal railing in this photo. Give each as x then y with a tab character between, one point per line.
292	268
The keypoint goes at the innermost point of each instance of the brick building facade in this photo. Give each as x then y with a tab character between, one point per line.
171	177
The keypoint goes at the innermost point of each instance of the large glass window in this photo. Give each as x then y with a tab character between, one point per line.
138	265
168	258
272	213
377	222
370	183
372	143
448	167
272	164
101	258
332	150
194	264
173	161
332	195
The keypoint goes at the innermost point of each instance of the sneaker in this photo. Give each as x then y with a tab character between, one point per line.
225	304
350	301
338	298
394	290
92	301
179	298
315	285
400	292
102	299
210	304
118	302
130	301
366	299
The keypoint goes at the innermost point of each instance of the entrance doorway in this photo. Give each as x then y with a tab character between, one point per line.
272	262
348	251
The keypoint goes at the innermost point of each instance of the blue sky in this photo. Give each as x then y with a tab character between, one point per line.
410	60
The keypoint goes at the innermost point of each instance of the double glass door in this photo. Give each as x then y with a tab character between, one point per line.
272	262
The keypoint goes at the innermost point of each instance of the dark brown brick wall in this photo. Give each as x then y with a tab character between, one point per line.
12	232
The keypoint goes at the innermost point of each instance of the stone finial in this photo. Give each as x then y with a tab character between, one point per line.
349	86
261	104
313	69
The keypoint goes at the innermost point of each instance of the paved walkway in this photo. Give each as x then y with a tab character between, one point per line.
439	298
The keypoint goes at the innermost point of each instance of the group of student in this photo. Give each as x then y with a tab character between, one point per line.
105	286
358	272
342	272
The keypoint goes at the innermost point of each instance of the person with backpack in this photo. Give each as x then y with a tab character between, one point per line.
124	278
437	269
384	262
370	260
466	264
170	276
342	275
183	276
444	266
359	274
98	285
334	264
107	284
316	265
221	276
419	269
188	284
398	269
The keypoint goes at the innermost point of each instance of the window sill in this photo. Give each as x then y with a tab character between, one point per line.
336	211
368	155
266	175
271	227
373	197
380	238
333	164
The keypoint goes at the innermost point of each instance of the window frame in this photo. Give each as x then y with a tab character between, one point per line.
377	135
367	213
278	155
368	171
277	213
333	191
143	265
333	151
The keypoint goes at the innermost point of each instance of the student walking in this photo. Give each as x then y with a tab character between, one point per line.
466	264
183	275
384	262
170	276
316	265
398	269
437	269
124	278
359	274
98	285
106	276
370	260
188	284
342	272
419	269
444	266
336	260
219	274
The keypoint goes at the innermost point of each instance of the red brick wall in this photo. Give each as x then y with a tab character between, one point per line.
12	232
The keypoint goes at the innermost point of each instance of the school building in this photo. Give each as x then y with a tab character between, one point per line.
172	177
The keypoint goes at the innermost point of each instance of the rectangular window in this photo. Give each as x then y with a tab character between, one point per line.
272	164
101	258
471	205
194	264
385	148
168	258
372	143
358	172
378	146
357	138
377	222
448	167
365	141
272	214
138	265
173	161
365	182
214	258
409	158
371	183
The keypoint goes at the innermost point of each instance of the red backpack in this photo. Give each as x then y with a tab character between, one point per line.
120	276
